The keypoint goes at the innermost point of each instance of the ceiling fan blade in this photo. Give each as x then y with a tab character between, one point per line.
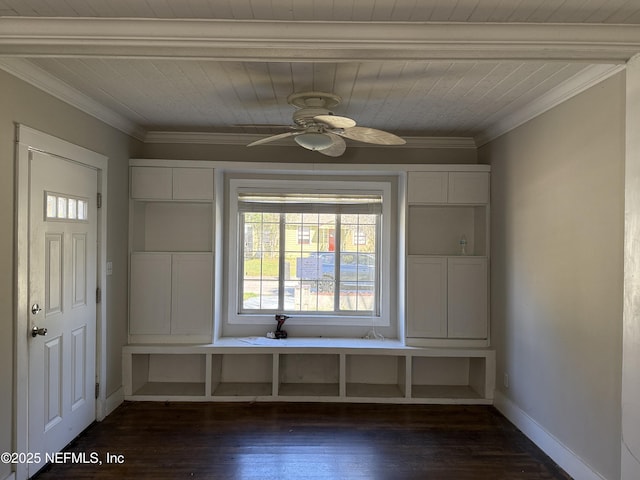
272	138
264	125
371	135
335	121
337	148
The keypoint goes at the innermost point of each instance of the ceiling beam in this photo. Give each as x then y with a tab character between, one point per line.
289	41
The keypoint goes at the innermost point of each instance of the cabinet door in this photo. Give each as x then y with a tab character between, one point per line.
153	183
427	297
192	294
468	187
192	184
467	297
150	294
427	187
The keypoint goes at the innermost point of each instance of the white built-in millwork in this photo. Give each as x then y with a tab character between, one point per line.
171	260
448	258
178	349
309	370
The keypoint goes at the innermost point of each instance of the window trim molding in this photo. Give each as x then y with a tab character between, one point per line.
308	184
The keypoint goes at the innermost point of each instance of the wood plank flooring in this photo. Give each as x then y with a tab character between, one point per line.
287	441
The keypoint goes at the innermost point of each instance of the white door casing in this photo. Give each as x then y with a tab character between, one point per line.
82	254
62	296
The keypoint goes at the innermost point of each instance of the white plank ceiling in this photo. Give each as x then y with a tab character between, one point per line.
549	11
423	97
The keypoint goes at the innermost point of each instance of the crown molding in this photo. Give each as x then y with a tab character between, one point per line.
259	40
39	78
204	138
587	78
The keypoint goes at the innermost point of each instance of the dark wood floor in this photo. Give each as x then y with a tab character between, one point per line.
281	441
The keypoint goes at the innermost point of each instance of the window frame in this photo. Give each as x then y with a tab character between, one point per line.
343	185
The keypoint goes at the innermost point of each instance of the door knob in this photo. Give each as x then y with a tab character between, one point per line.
35	331
35	309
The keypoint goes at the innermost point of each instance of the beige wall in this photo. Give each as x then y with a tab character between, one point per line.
557	270
270	153
630	464
24	104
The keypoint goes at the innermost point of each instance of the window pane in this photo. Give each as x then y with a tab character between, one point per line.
366	296
293	217
269	298
52	203
366	238
251	295
62	207
82	209
348	297
72	208
269	238
327	233
367	219
326	295
310	218
271	217
308	296
251	237
292	292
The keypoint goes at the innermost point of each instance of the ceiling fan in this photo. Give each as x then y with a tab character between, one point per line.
318	128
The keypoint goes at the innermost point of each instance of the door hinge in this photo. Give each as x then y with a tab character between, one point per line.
98	295
97	390
99	200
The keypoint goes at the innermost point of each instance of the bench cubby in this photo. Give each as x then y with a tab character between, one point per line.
179	376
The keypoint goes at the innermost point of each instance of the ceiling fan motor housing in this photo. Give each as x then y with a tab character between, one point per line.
304	116
311	104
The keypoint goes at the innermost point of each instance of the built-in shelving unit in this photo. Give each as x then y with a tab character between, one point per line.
447	272
171	254
309	370
176	350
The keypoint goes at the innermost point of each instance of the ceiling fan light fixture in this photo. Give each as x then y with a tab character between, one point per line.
313	141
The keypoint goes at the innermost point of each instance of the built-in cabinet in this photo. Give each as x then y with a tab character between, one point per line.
447	262
171	258
174	354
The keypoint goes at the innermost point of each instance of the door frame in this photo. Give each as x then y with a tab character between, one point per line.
27	139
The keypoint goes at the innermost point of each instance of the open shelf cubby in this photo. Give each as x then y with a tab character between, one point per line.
172	226
242	375
448	377
168	375
376	376
437	230
304	375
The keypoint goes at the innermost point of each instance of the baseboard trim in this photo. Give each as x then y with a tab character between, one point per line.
563	456
114	400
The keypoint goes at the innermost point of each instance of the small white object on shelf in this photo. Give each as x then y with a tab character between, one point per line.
463	244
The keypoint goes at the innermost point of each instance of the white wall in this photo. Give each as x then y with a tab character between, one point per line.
24	104
557	270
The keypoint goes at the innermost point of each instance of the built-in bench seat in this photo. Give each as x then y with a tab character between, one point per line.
308	369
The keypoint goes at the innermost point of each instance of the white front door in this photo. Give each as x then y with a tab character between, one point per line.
62	300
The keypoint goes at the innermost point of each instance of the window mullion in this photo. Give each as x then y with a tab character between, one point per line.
375	308
281	262
336	263
240	260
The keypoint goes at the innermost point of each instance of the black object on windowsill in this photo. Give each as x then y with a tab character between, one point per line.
279	333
